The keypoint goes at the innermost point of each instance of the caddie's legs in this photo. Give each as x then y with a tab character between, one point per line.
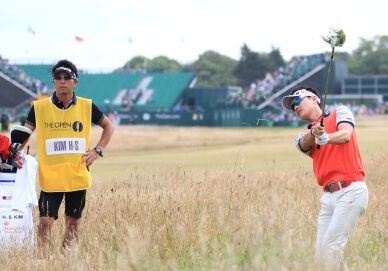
71	233
74	205
44	229
48	211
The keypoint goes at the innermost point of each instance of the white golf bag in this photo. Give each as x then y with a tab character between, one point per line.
17	198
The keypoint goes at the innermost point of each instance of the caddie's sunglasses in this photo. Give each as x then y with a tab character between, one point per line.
296	102
64	76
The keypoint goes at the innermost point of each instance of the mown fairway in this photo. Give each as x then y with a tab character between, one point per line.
167	198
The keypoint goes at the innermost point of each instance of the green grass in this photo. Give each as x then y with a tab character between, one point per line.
168	198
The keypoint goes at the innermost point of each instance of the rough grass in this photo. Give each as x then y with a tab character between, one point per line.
169	198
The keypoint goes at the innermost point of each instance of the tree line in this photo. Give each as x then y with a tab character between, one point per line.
213	69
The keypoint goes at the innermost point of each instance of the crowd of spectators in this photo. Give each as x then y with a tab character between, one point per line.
260	89
21	77
279	117
362	109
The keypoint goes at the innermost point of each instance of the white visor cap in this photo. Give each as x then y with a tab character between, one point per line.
287	100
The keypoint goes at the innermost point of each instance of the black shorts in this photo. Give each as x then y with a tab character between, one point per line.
49	203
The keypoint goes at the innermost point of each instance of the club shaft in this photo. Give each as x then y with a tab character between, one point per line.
326	87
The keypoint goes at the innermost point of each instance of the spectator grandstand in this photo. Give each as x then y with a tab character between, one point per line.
15	73
172	99
260	89
124	90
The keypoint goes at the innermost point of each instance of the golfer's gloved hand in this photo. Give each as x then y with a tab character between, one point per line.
322	139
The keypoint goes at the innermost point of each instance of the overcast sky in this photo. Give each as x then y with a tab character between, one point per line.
114	31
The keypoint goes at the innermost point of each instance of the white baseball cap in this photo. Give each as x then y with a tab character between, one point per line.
287	100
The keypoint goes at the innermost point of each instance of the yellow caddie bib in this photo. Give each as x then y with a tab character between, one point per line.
63	136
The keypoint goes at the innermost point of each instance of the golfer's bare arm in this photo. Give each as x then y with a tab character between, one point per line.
91	155
107	132
306	142
343	134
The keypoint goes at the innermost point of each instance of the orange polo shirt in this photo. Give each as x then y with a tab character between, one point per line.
337	162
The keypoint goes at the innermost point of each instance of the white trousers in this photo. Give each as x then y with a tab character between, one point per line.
339	214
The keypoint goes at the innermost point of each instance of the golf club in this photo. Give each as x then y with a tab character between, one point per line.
336	38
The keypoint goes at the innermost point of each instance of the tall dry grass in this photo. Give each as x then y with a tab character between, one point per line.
168	198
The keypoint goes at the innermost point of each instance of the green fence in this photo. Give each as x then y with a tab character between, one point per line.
222	118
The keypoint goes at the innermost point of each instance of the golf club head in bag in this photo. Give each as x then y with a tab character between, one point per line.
18	135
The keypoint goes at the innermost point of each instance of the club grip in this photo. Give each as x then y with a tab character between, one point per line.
319	146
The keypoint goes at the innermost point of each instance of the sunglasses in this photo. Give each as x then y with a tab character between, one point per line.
296	102
62	76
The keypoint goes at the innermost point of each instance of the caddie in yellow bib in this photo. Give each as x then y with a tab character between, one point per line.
63	123
63	137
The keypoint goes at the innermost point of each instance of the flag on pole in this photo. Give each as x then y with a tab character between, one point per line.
79	39
32	31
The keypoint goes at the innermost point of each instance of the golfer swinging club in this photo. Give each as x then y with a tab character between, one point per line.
63	123
338	169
